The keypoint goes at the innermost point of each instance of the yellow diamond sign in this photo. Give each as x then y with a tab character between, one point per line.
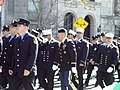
81	23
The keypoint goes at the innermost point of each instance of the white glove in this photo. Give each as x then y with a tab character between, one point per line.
110	69
54	67
45	40
74	70
95	68
0	70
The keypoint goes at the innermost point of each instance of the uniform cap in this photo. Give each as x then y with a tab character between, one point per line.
80	30
62	30
72	32
5	28
47	32
13	23
23	22
94	37
34	32
39	30
102	34
109	35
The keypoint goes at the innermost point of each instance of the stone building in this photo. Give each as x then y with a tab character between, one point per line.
102	15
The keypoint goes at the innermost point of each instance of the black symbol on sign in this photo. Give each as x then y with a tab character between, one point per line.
81	24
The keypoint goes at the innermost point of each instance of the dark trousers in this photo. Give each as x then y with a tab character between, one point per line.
105	77
46	78
4	78
89	72
74	77
118	71
80	77
119	75
17	81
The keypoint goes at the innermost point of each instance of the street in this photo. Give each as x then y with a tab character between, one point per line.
90	86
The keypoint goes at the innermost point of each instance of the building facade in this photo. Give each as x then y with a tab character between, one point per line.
102	15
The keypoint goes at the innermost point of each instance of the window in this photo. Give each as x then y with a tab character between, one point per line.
92	0
68	21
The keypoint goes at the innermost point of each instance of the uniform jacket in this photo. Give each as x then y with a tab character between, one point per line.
4	53
106	57
7	54
47	54
25	53
66	55
82	49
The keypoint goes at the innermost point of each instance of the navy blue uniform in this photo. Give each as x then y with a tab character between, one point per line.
5	59
25	53
118	64
82	49
106	57
47	56
66	57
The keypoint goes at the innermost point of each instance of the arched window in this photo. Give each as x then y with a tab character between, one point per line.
68	21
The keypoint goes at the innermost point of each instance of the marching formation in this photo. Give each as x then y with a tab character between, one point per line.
27	55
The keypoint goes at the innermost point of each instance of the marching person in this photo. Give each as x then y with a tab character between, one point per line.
118	63
25	53
46	61
71	35
4	57
82	49
66	57
40	33
92	53
106	58
6	35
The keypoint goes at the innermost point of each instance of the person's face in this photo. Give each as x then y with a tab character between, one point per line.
48	36
13	30
21	28
5	33
109	40
79	35
104	39
70	36
61	36
95	41
40	34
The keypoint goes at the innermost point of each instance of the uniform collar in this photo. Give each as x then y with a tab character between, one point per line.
51	40
64	40
8	36
22	36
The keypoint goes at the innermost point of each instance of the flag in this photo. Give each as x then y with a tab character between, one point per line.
1	2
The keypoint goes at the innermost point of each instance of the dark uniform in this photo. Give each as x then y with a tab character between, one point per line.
65	59
46	58
106	57
82	49
4	58
90	66
118	64
5	61
25	53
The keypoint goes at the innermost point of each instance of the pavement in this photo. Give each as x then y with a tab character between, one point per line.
57	85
